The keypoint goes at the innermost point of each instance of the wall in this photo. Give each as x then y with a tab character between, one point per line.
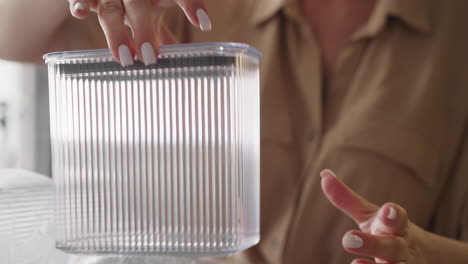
24	123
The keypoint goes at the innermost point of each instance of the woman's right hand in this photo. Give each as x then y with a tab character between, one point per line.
386	232
144	17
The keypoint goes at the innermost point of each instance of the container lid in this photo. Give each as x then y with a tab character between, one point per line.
196	50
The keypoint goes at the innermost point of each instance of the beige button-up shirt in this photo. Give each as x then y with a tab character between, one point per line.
393	122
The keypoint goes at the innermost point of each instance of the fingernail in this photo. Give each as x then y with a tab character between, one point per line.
203	20
327	171
78	7
392	214
352	241
147	51
125	55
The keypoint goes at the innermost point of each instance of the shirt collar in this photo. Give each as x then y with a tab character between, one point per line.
414	13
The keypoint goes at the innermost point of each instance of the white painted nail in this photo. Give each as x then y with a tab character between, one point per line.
352	241
125	55
392	214
78	7
330	172
147	51
203	20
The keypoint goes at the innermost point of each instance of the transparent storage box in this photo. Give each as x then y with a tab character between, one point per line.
162	159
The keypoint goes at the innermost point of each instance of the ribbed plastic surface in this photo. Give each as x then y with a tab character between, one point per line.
157	160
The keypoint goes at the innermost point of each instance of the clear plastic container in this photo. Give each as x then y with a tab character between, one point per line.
162	159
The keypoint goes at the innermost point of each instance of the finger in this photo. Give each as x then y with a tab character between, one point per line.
343	198
81	8
142	19
392	219
166	36
111	18
196	12
366	261
385	247
362	261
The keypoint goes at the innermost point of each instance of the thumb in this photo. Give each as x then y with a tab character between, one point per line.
346	200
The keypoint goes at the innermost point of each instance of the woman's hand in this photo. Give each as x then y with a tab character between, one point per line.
144	19
385	233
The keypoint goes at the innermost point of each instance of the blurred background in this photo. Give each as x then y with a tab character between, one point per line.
24	117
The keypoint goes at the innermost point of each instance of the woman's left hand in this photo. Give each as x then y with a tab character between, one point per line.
385	233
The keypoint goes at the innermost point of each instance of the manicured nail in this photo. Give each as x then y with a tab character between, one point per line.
78	7
356	262
203	20
147	51
392	214
352	241
125	55
327	171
